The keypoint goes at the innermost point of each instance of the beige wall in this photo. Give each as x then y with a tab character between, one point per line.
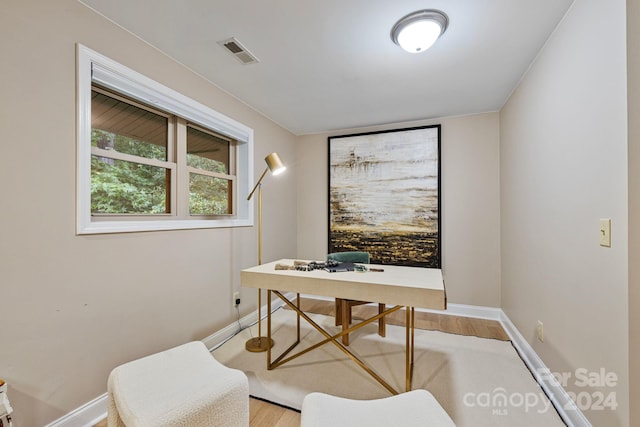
563	162
633	81
470	203
73	307
533	179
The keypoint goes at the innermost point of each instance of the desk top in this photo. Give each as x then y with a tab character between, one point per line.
396	285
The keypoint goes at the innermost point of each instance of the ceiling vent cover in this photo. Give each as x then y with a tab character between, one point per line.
235	48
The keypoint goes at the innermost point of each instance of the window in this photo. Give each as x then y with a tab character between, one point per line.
130	168
150	158
211	173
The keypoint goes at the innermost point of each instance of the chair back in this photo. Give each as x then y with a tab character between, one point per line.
353	256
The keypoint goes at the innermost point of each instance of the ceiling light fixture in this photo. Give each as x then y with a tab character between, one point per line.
418	31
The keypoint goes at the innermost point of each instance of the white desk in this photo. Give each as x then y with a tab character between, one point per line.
408	287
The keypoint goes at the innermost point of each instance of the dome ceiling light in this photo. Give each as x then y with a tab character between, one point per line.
418	31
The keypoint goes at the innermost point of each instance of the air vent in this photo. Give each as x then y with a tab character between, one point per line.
235	48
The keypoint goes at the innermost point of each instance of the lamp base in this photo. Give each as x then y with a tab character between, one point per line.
258	344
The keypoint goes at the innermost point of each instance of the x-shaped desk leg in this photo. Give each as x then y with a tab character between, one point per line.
280	360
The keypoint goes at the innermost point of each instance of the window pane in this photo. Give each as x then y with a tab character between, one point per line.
122	187
209	195
207	152
119	126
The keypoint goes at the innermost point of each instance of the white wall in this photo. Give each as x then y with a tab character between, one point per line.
563	161
73	307
470	203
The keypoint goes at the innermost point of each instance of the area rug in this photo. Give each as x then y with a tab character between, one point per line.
478	381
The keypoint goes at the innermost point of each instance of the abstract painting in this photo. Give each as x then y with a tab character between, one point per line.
384	195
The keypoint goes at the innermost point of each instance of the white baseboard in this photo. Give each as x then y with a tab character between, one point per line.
216	339
90	413
96	410
220	337
85	416
566	407
463	310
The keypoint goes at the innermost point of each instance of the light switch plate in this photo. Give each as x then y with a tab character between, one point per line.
540	331
605	232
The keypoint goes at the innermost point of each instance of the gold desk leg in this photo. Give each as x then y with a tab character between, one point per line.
410	319
269	328
330	338
298	305
279	361
407	323
275	363
413	336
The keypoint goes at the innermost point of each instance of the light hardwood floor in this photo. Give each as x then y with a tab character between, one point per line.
431	321
263	414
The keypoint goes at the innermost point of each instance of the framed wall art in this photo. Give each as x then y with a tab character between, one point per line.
384	195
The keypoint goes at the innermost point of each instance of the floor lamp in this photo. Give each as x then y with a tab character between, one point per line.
275	165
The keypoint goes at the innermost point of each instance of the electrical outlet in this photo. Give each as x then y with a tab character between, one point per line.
236	300
540	331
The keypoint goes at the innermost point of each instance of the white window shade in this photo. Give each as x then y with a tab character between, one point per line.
143	89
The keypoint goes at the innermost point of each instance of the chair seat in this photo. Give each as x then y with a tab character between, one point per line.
182	386
417	408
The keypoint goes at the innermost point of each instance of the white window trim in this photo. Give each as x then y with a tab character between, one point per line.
137	86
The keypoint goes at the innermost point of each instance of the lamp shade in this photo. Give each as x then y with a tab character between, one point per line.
275	164
419	30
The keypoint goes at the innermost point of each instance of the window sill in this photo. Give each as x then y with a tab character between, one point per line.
105	227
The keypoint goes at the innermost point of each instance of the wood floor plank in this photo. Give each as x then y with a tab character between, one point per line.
264	414
482	328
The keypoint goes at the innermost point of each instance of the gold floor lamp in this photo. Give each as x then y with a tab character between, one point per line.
275	165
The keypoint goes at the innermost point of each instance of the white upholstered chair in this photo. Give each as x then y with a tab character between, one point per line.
417	408
180	387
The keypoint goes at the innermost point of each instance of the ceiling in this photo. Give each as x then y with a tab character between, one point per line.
330	65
